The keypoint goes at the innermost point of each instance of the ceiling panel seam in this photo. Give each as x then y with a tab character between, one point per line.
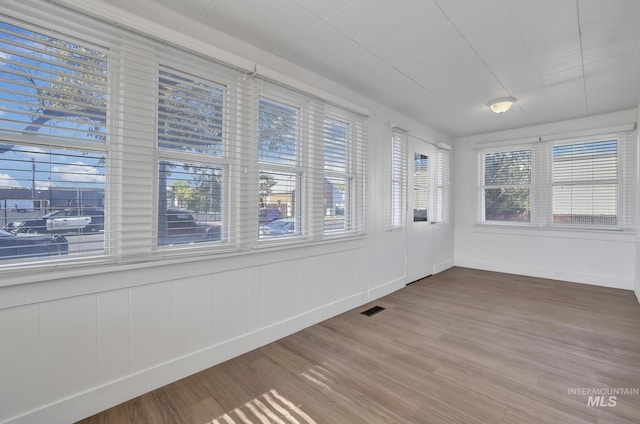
472	49
487	67
584	75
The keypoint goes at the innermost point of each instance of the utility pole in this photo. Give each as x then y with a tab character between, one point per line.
33	179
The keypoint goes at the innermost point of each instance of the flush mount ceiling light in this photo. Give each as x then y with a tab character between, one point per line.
501	105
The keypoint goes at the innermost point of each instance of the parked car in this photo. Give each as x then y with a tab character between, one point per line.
13	245
61	221
182	227
278	227
266	215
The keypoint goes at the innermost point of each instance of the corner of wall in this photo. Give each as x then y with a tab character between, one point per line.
637	204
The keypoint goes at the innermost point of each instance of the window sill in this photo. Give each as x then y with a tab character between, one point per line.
46	282
616	234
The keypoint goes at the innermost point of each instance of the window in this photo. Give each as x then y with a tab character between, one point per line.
442	185
53	87
580	183
310	168
279	176
505	189
398	203
338	180
53	144
120	148
585	183
421	187
191	195
190	113
277	132
191	210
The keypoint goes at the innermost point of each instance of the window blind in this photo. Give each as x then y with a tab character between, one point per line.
591	184
339	177
443	185
581	183
315	152
398	203
282	173
179	154
191	112
54	85
53	134
202	138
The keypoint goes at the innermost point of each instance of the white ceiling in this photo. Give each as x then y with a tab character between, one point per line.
441	61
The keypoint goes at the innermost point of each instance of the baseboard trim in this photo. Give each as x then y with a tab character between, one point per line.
443	266
99	398
385	289
553	274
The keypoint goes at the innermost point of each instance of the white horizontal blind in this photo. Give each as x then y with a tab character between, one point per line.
344	172
190	112
177	152
202	129
398	202
359	162
344	157
281	168
54	85
53	139
581	183
311	157
443	185
190	194
278	132
591	183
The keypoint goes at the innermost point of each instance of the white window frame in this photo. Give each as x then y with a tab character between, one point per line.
542	181
298	169
133	156
482	186
72	140
443	181
618	181
398	179
347	175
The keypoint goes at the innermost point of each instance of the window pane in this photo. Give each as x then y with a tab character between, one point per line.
585	204
277	217
585	185
52	87
190	203
507	168
277	132
190	113
51	192
336	208
507	204
420	187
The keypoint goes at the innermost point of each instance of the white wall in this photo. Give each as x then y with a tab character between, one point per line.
601	258
72	346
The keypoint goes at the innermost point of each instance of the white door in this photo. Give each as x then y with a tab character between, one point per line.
420	219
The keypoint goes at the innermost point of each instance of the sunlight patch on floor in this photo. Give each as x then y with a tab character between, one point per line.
268	408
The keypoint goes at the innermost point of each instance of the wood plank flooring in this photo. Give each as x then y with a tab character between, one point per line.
464	347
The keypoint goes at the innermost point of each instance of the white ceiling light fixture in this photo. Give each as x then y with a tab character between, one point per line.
501	105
